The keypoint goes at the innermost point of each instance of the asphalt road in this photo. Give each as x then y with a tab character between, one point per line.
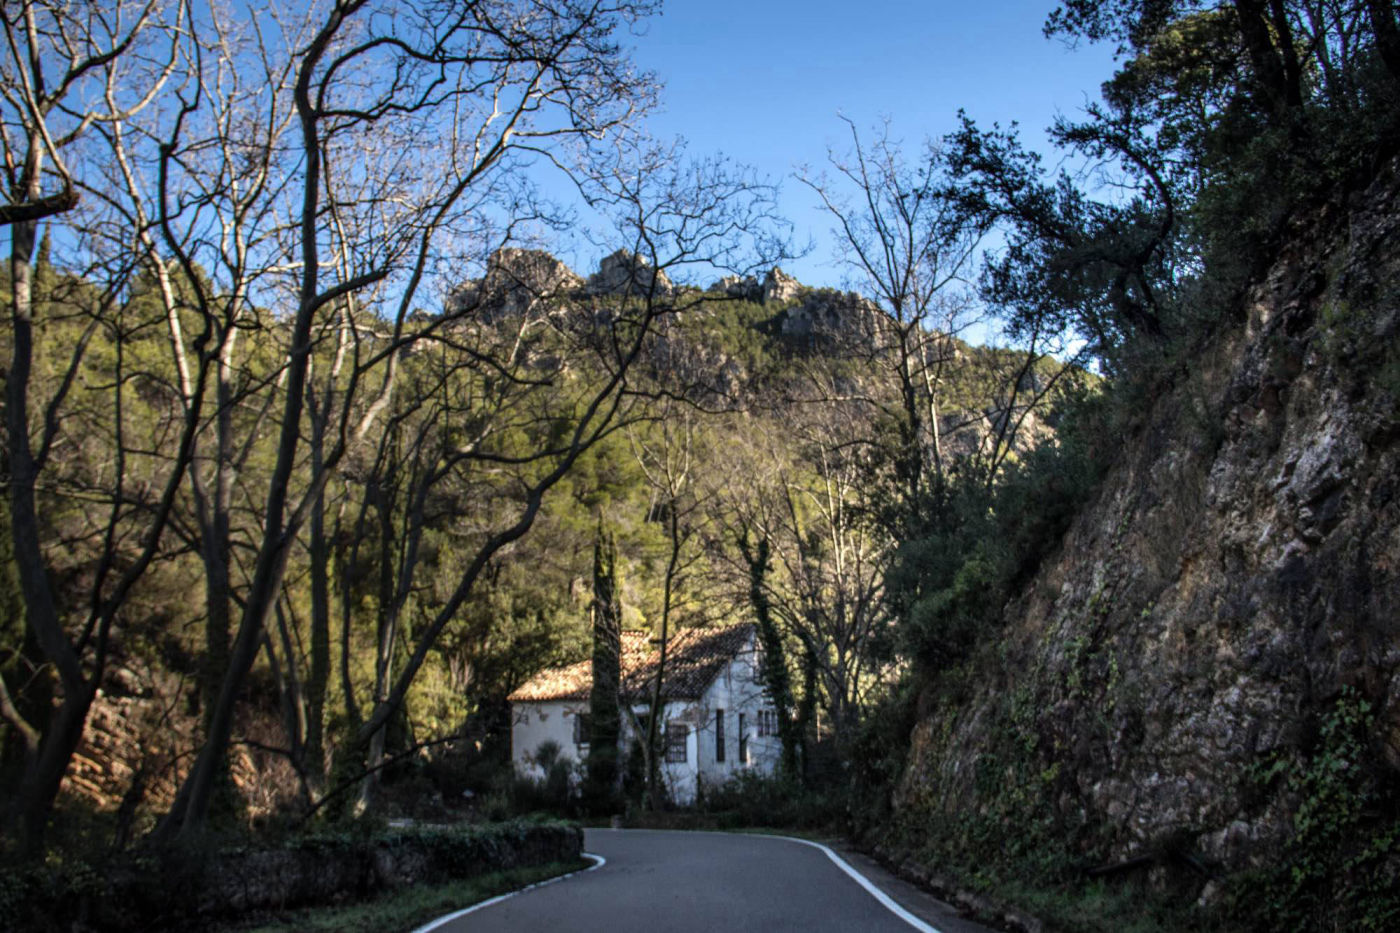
674	882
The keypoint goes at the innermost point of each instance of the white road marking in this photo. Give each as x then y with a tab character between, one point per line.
598	862
866	883
885	900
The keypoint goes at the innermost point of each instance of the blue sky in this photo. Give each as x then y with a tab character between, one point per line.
763	81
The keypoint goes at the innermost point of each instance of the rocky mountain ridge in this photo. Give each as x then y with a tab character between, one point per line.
518	280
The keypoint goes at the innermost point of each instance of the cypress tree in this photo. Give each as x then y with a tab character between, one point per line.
604	701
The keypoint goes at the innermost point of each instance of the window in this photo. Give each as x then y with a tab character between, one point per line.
743	742
767	722
583	728
757	664
719	736
675	743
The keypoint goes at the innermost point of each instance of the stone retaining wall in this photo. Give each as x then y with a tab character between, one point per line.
184	890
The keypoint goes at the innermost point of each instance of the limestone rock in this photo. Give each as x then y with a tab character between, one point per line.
515	281
828	312
532	269
628	273
745	287
779	286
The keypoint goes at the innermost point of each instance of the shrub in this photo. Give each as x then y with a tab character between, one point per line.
555	791
753	799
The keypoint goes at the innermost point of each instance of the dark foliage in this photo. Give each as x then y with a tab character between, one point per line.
950	580
604	700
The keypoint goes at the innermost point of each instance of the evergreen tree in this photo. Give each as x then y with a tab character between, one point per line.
603	702
776	680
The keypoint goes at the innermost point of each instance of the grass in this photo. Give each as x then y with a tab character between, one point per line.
405	909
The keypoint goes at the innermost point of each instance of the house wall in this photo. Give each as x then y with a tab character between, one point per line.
534	723
736	690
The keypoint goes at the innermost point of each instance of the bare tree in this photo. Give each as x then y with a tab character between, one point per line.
910	251
667	460
834	561
320	175
407	117
804	497
593	372
200	207
64	71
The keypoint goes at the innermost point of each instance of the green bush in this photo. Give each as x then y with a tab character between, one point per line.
555	792
191	886
750	799
949	581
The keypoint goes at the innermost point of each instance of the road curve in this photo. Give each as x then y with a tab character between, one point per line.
685	882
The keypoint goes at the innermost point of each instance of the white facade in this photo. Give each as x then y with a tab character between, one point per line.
535	723
735	693
730	728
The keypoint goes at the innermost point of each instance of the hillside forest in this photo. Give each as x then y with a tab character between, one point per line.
314	451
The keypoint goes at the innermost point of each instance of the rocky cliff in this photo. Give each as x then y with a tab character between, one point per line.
518	281
1203	682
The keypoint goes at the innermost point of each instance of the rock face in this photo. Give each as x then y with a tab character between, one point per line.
122	737
745	288
515	281
779	286
138	735
827	312
533	270
1233	586
627	273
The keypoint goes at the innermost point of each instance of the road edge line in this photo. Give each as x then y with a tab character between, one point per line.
870	887
598	862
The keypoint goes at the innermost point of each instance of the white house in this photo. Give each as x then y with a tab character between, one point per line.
718	720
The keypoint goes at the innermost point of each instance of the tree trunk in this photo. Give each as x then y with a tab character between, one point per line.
1269	71
910	458
1288	53
653	777
318	680
34	799
189	812
1382	14
28	811
347	563
217	601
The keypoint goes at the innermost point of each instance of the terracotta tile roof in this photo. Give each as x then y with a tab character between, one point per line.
694	658
576	680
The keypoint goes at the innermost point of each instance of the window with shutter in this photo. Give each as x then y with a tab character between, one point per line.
675	743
